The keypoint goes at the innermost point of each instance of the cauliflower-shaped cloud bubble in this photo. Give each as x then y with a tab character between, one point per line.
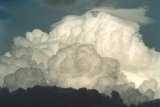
24	78
81	66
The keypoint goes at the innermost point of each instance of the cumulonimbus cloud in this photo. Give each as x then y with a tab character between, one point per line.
98	49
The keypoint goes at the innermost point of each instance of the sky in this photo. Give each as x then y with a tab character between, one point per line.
19	16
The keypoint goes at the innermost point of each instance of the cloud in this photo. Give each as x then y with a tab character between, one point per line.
108	35
25	15
80	66
86	51
24	78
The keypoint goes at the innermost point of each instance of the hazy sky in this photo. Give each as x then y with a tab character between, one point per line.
19	16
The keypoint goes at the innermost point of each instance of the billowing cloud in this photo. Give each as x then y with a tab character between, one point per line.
99	49
24	78
81	66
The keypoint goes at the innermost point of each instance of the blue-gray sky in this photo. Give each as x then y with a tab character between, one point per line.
19	16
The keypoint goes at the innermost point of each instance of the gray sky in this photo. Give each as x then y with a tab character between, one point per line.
19	16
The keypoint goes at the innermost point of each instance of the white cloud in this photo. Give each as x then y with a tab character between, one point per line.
101	37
